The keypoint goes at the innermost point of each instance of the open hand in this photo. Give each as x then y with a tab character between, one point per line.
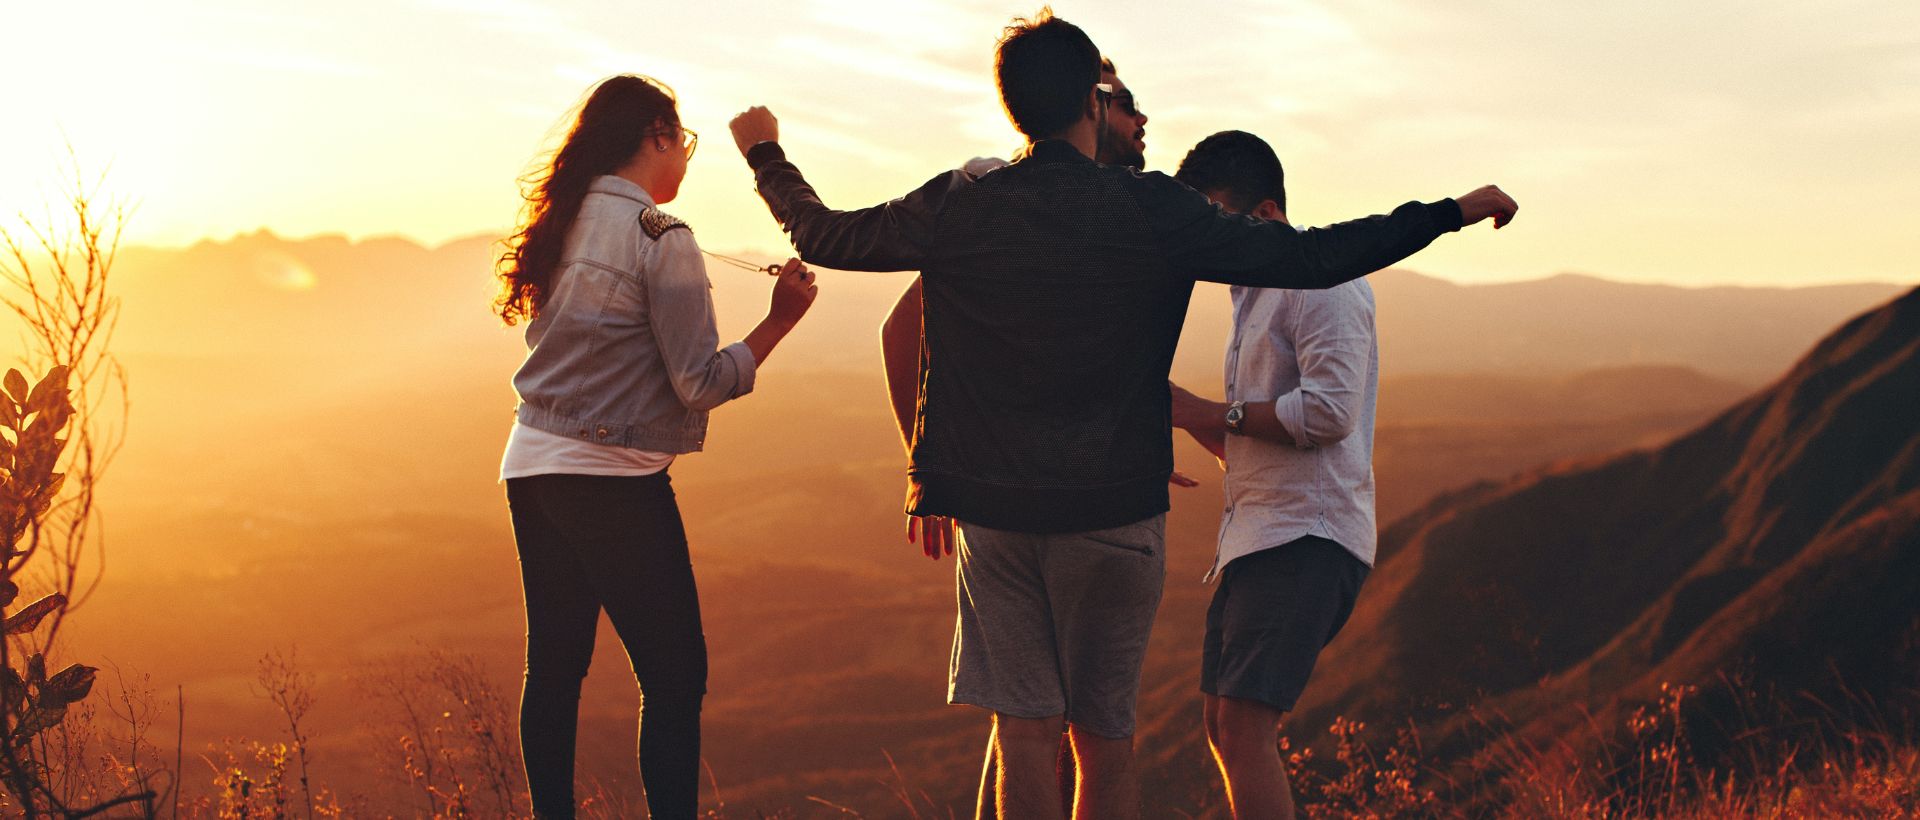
935	534
754	126
1488	201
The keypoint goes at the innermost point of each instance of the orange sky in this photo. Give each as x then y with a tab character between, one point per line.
1696	143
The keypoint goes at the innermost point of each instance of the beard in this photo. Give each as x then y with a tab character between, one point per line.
1119	150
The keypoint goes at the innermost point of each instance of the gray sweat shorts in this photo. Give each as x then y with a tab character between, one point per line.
1057	624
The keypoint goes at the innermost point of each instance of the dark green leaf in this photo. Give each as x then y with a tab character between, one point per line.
39	719
17	385
58	414
50	390
54	382
30	615
8	591
69	685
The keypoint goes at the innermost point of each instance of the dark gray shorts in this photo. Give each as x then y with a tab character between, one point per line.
1057	624
1272	614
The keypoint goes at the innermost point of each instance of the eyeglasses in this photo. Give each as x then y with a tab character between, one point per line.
688	140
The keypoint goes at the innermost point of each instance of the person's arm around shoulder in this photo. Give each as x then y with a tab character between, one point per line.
679	306
891	236
900	340
1201	240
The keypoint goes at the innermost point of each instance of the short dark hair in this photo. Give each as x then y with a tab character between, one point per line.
1045	66
1236	168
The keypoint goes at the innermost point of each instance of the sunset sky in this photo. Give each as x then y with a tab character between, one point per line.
1692	143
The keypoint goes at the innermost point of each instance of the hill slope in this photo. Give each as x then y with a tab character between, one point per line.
1780	540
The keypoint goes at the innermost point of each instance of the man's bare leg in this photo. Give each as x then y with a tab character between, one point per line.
1025	748
1068	773
1245	738
986	806
1108	786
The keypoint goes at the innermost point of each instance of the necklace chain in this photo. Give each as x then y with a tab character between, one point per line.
771	270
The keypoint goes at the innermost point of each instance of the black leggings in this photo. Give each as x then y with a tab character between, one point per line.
589	543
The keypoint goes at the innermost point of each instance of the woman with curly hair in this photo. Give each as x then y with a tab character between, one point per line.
623	364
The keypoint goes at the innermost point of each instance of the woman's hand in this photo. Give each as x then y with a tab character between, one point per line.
793	293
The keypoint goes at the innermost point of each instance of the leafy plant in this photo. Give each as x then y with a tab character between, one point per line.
53	449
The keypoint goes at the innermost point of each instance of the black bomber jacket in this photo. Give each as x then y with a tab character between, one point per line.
1055	289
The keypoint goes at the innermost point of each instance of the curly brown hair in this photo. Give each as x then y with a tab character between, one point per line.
620	113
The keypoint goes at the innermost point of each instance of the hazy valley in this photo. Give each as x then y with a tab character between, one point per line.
316	428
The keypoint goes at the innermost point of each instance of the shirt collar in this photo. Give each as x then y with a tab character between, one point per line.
1055	150
621	187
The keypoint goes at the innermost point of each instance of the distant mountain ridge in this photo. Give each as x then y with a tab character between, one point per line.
1575	322
261	292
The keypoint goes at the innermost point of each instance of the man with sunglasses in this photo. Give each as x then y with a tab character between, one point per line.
1054	290
1123	142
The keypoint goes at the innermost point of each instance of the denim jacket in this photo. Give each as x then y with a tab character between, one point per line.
624	350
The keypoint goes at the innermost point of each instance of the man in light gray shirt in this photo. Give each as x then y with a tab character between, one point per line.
1296	436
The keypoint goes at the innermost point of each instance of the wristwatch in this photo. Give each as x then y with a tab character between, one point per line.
1236	413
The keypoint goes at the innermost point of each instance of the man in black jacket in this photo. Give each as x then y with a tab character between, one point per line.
1054	293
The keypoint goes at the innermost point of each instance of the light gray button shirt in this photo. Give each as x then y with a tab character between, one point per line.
1315	356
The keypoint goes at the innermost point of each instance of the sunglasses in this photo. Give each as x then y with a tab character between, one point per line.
1124	98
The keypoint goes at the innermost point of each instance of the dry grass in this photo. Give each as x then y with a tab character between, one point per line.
449	744
1780	757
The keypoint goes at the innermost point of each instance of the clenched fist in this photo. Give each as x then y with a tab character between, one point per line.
793	293
1488	201
754	126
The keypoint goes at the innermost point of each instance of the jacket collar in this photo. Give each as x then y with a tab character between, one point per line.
1055	150
620	187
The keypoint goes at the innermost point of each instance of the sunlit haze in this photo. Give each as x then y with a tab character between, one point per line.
1691	143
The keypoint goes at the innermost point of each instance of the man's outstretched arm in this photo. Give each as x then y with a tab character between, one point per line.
891	236
1203	241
